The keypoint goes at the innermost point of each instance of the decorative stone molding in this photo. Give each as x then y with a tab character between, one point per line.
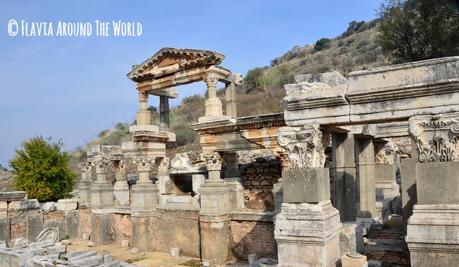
144	164
101	165
305	146
436	137
388	153
143	97
213	161
164	165
211	82
121	171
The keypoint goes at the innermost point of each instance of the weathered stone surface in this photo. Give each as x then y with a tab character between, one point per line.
215	239
34	224
85	223
308	234
123	226
305	185
433	235
67	204
437	183
48	207
5	232
409	194
366	178
121	193
102	228
72	223
253	237
351	238
3	209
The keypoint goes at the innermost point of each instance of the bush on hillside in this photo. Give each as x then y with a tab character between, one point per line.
321	44
42	170
412	30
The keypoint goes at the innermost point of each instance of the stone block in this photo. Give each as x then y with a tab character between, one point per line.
101	195
121	193
5	229
102	228
351	238
354	260
215	239
144	197
3	209
308	234
34	224
437	183
72	223
433	235
48	207
214	198
67	204
409	194
305	185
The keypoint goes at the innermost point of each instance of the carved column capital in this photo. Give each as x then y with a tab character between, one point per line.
282	155
143	97
213	161
211	82
101	165
144	164
305	146
86	169
436	137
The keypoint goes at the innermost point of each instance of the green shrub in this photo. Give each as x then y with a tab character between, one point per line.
42	170
321	44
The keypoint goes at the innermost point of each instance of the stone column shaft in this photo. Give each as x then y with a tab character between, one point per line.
366	178
143	116
164	122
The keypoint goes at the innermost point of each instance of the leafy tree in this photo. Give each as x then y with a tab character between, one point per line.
254	80
411	30
42	170
321	44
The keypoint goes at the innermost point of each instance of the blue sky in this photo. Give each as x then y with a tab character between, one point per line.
71	88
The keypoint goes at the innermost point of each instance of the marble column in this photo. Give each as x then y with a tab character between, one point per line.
101	189
366	178
345	183
164	122
121	187
85	184
213	104
214	213
308	227
144	200
433	229
143	115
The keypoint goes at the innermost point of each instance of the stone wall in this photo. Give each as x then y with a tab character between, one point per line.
257	179
253	237
176	229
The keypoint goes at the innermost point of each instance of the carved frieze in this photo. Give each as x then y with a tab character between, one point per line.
305	146
436	137
388	154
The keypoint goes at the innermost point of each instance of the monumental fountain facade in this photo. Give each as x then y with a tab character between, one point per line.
294	186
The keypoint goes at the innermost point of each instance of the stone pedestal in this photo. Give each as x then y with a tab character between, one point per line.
102	227
121	193
215	223
101	195
308	234
433	235
144	198
84	195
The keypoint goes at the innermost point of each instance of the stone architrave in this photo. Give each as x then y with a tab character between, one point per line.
433	229
121	187
101	189
308	227
85	183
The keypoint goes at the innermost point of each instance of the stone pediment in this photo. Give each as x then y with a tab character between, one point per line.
168	61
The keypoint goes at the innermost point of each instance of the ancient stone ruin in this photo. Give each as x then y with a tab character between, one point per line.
305	187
